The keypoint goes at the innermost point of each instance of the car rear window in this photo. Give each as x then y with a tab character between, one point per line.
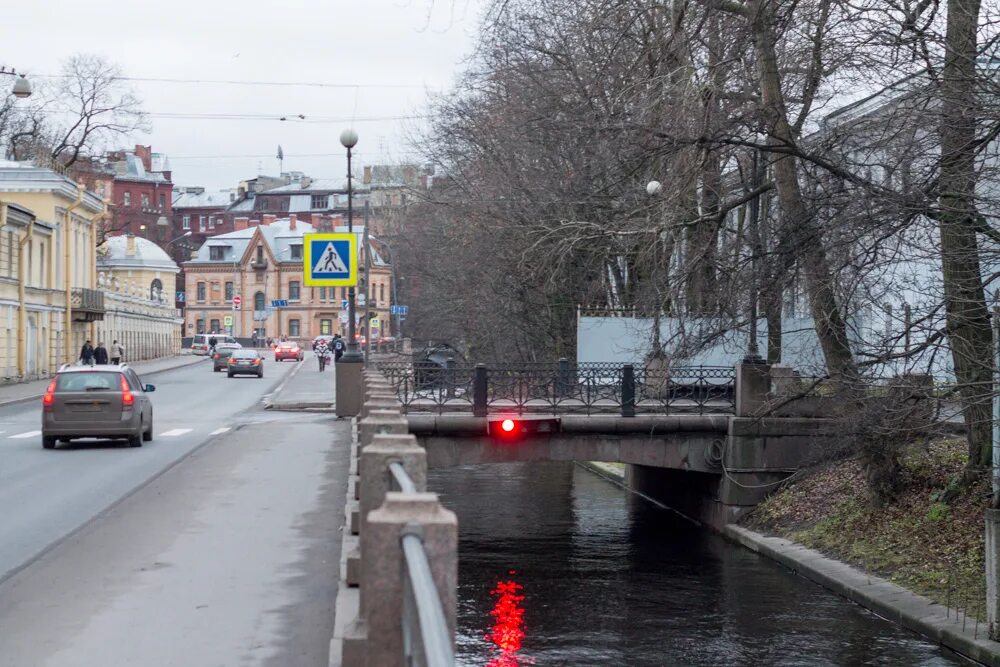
243	354
88	381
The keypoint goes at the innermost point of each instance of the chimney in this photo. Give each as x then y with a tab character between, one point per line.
337	221
306	182
130	245
292	222
240	224
145	154
317	221
268	219
368	175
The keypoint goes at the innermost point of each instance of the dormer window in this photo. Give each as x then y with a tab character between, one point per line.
296	251
217	252
319	201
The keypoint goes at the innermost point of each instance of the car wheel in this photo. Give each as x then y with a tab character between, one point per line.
147	435
229	374
135	440
260	373
48	442
216	369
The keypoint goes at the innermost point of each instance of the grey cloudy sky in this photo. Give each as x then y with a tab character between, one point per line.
409	46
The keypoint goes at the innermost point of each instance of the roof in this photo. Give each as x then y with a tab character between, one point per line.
148	255
316	185
132	169
203	199
28	177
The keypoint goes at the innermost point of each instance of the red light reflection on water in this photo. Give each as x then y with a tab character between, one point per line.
508	624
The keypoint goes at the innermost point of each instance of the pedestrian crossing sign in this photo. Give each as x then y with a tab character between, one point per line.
330	260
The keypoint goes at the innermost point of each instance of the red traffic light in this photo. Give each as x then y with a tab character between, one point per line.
515	427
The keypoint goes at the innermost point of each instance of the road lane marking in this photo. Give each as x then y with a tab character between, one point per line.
219	431
27	434
174	432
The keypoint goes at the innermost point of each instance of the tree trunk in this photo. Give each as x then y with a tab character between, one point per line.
965	301
800	234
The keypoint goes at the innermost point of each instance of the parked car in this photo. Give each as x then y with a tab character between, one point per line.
245	362
288	350
220	359
97	402
199	345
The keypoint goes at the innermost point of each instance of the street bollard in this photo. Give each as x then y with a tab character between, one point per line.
376	480
379	403
381	421
479	391
628	390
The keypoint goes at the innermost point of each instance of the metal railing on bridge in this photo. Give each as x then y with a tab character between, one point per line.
562	387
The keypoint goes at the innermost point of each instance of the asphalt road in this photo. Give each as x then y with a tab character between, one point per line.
47	494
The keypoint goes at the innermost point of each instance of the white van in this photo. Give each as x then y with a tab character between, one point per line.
199	345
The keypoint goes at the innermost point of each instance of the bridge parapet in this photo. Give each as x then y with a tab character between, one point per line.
397	598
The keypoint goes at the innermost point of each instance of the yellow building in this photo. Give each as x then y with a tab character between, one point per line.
48	304
262	262
138	280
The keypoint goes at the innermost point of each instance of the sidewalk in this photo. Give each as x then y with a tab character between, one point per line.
28	391
305	388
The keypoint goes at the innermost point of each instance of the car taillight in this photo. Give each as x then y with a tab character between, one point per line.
215	356
231	360
50	396
128	399
256	362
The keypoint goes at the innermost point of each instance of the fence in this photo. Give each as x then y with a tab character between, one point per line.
561	387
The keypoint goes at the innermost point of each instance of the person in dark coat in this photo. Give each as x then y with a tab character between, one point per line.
101	354
87	353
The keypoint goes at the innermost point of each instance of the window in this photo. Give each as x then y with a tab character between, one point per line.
293	290
258	301
217	252
381	293
215	325
186	222
319	201
211	222
201	223
322	294
325	327
155	289
284	204
163	201
201	292
296	251
145	200
343	293
229	291
263	204
200	326
127	199
293	327
260	254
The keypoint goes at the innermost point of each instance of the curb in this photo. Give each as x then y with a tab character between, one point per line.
878	595
35	397
269	403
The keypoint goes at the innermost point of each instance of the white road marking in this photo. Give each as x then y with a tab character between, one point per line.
174	432
27	434
219	431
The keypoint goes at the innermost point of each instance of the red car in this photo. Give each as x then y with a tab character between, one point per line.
288	350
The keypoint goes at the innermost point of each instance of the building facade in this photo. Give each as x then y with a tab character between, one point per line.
48	304
138	282
261	262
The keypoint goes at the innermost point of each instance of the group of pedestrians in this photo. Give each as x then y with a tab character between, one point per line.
90	355
323	350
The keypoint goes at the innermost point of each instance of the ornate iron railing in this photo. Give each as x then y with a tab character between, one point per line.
562	387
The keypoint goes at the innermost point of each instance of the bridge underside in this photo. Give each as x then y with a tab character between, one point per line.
712	468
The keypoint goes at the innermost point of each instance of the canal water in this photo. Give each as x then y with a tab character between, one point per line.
558	566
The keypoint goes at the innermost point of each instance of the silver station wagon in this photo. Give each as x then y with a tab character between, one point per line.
97	402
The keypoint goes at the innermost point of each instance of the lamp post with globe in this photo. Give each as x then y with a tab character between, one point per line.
348	369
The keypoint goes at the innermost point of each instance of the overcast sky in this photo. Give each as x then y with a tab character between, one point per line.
394	51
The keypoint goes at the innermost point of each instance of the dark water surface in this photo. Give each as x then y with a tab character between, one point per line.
560	567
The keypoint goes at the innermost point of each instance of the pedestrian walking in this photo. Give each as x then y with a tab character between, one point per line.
101	354
322	353
338	347
253	339
117	352
87	354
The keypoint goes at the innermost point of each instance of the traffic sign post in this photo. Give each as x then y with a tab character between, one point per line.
279	303
330	260
237	301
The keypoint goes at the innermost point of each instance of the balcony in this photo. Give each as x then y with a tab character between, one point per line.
259	264
87	304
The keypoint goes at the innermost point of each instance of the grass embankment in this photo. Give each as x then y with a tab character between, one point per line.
916	541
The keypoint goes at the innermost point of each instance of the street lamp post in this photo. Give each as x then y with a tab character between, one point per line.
349	139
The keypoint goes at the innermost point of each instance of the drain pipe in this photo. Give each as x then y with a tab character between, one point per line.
101	217
22	315
68	352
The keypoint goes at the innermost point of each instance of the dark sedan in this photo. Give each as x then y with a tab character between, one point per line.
220	360
245	362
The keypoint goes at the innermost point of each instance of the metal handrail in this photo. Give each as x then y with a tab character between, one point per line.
401	478
435	639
